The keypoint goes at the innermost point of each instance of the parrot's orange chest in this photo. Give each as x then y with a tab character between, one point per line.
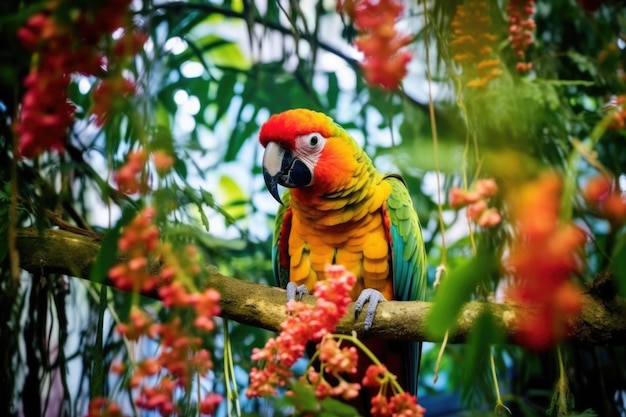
361	246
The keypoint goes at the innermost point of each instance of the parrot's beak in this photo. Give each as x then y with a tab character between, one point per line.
280	166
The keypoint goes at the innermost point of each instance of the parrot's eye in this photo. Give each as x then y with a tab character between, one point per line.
311	142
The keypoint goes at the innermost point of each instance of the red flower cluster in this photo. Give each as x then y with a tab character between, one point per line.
472	44
402	404
131	177
474	199
139	240
384	64
521	28
103	407
210	403
304	324
140	324
604	195
66	39
542	258
46	114
334	360
181	354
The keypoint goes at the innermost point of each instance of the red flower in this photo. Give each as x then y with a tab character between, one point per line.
304	324
474	199
521	29
373	375
337	360
384	63
210	403
103	407
64	47
140	324
405	405
138	240
131	177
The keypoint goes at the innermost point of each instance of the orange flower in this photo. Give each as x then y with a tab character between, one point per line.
602	193
162	161
131	177
472	44
542	258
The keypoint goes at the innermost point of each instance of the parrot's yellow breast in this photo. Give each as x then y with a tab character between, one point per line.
361	246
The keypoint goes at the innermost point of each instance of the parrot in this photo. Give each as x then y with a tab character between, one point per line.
338	209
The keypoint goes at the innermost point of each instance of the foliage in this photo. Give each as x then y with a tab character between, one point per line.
107	113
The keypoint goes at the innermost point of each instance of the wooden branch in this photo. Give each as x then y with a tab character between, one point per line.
601	322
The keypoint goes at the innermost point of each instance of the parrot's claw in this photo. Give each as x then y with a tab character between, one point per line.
295	292
372	297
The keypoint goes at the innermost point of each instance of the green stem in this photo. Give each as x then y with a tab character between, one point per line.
358	344
499	403
229	373
569	186
559	399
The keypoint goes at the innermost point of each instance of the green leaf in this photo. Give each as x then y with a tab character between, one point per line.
98	374
483	334
234	200
455	290
583	62
332	407
242	132
302	398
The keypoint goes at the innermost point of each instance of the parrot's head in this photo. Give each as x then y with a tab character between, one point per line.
305	149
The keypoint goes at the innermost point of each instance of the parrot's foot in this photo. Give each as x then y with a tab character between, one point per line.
372	297
295	292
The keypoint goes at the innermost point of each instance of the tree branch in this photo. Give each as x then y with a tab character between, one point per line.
601	321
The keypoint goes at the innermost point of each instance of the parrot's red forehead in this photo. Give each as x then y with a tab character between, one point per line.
286	126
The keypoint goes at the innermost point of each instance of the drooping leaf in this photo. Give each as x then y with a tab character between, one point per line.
455	290
97	371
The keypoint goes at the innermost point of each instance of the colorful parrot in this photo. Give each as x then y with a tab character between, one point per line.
339	209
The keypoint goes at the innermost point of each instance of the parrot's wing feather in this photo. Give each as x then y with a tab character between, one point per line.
407	245
280	248
408	261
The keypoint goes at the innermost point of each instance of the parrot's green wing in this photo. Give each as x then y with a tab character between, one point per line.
407	244
280	248
408	260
